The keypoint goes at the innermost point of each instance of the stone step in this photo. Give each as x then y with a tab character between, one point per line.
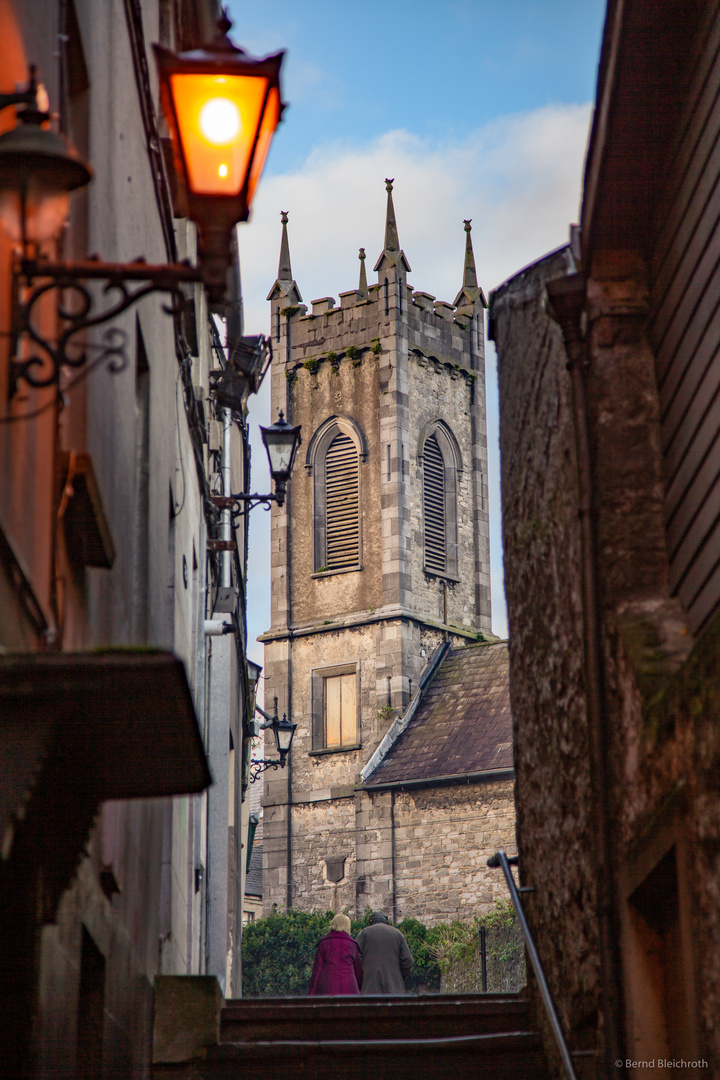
321	1018
512	1056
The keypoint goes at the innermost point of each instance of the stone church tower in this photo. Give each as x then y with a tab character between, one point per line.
380	553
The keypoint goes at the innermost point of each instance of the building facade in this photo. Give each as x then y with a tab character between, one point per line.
610	520
380	553
123	682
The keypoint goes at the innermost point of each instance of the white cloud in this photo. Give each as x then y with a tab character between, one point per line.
518	178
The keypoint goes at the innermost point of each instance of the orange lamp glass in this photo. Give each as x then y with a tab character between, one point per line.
222	107
218	119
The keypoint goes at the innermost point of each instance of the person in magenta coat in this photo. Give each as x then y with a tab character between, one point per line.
337	968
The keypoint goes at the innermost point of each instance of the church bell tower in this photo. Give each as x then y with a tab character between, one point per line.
380	553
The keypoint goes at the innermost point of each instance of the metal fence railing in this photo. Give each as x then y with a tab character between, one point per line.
497	966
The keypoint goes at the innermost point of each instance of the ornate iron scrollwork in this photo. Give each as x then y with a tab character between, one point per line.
75	308
262	766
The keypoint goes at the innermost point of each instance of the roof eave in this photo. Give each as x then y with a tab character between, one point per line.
482	776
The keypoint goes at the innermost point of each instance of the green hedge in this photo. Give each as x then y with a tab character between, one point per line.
278	952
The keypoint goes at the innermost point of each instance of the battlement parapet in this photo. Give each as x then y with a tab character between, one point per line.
324	304
434	327
423	300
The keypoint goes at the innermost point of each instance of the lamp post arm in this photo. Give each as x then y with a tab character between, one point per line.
270	719
163	275
35	278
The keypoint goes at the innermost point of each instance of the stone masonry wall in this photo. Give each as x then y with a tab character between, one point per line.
542	580
443	839
437	842
380	649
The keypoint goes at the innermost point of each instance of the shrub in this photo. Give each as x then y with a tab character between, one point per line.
457	953
278	952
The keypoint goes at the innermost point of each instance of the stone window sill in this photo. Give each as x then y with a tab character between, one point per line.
335	749
341	570
437	574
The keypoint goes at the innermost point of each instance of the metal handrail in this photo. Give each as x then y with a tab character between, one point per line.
501	859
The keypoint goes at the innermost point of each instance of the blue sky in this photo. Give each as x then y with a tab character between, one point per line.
478	108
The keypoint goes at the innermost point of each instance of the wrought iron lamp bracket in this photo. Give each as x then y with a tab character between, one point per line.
238	504
35	278
261	766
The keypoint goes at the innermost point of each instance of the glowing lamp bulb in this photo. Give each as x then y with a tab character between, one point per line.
220	121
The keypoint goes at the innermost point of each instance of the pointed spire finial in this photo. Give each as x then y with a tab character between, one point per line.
363	286
470	293
391	234
469	272
285	284
284	267
392	255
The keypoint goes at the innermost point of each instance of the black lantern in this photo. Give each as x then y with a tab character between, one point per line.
283	731
281	442
38	170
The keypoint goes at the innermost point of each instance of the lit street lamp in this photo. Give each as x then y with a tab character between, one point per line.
222	107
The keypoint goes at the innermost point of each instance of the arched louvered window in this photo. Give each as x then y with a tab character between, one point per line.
434	507
334	455
342	504
441	465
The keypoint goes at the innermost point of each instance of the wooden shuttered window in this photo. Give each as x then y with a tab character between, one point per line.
342	504
434	508
340	710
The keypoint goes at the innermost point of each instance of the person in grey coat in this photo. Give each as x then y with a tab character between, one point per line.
386	957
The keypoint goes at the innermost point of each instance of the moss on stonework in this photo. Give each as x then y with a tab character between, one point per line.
289	310
312	365
693	692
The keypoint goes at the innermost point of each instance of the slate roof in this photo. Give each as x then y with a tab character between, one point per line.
462	723
253	880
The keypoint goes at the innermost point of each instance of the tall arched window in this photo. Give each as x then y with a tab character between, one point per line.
334	455
441	466
342	504
434	507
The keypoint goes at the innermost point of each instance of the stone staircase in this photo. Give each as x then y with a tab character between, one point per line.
435	1037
